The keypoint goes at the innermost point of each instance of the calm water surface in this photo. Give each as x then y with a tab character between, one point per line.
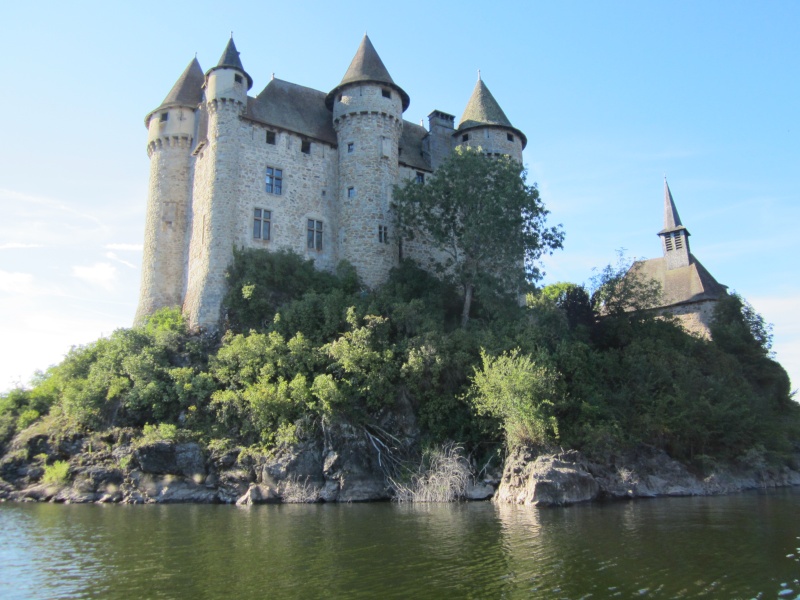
740	546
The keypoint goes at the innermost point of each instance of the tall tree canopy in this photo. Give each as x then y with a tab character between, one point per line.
486	223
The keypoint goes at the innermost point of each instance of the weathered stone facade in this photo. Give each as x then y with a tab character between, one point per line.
292	168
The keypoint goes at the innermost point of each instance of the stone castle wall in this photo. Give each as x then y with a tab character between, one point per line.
168	207
368	125
492	140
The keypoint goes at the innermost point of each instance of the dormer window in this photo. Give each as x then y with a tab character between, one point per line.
386	93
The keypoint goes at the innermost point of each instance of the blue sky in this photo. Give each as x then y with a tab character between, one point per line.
612	96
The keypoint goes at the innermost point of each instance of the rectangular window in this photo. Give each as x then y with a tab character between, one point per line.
237	78
386	93
350	147
262	220
509	137
420	177
668	242
314	239
305	147
465	137
271	138
383	234
351	192
164	117
678	241
274	181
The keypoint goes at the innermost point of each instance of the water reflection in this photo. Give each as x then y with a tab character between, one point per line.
734	546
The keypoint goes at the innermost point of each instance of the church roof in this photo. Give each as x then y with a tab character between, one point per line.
683	285
483	110
367	66
187	91
672	220
294	107
230	60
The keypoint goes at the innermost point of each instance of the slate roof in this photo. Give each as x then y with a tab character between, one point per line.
672	220
367	66
692	283
187	91
411	144
483	110
293	107
230	60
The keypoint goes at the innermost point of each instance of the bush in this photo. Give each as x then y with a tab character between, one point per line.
56	474
521	394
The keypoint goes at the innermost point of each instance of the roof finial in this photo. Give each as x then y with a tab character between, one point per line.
231	33
479	74
273	75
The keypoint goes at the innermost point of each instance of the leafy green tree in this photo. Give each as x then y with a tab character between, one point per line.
486	222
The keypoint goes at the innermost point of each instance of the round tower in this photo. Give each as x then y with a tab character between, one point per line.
216	190
367	111
171	130
485	125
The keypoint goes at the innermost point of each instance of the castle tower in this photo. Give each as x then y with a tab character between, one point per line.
170	136
367	111
485	124
217	187
674	236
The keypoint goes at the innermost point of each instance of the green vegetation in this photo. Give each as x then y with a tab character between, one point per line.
484	219
56	474
553	371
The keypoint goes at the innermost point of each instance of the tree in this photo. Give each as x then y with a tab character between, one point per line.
483	219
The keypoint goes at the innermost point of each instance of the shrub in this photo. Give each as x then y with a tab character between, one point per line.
56	474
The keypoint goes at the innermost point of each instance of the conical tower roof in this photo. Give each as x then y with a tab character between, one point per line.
367	67
672	220
187	91
230	60
483	111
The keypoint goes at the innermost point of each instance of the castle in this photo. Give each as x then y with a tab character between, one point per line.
688	290
291	168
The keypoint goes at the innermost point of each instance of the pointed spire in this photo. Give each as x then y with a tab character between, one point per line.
230	60
482	110
187	91
672	220
367	66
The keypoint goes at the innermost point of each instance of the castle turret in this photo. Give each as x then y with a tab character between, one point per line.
485	124
171	131
367	111
674	236
217	187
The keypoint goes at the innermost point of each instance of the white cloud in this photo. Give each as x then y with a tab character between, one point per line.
17	283
126	247
13	245
102	275
112	256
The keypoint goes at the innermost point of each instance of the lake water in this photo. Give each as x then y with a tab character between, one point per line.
740	546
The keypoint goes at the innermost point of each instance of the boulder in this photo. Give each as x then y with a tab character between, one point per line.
258	494
546	479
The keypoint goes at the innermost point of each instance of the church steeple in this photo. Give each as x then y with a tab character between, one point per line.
674	236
